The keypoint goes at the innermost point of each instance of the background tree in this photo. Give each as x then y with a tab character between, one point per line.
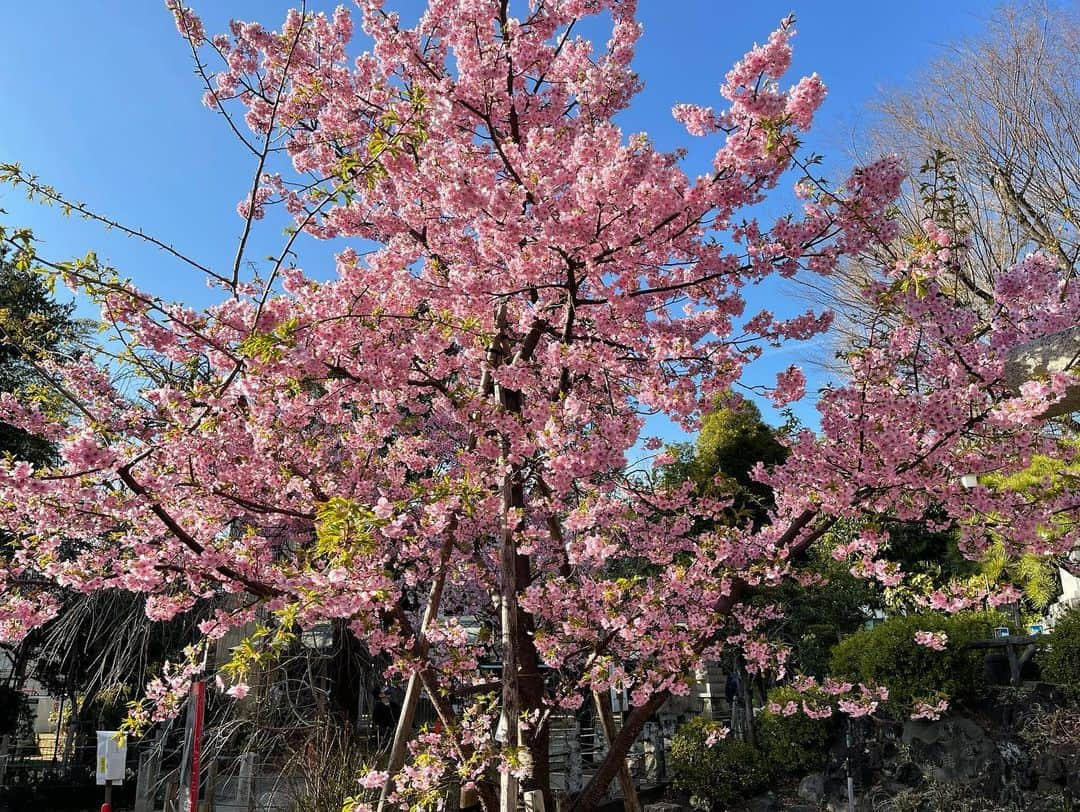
33	327
990	130
992	123
733	439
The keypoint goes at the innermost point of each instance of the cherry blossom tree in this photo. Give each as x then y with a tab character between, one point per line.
432	444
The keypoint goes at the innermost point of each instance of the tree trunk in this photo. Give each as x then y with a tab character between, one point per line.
396	760
537	739
522	682
5	745
531	691
69	733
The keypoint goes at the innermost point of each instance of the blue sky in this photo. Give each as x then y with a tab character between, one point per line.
100	100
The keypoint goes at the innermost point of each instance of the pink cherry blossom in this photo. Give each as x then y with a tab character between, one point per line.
932	640
448	409
930	710
715	736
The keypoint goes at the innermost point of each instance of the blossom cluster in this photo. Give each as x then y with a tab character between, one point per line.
821	700
930	710
935	641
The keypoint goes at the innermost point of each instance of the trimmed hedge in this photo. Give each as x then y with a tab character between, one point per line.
718	776
794	745
888	655
1060	661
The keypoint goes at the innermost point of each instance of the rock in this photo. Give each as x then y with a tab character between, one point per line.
873	758
762	803
1050	767
1026	779
932	732
908	774
1073	782
812	788
1048	694
888	788
889	749
1046	787
954	749
841	804
665	806
968	727
919	731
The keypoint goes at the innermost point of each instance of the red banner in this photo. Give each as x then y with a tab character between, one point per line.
194	743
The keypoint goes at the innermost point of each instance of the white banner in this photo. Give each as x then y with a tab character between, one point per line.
111	757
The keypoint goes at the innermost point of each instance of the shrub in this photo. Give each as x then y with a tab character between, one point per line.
1060	661
329	762
888	655
936	795
796	744
718	776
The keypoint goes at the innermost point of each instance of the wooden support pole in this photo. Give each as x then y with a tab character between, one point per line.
602	701
403	731
1014	665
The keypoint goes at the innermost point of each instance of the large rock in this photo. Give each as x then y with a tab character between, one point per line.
954	749
812	788
1050	767
1047	788
841	805
873	758
908	774
1073	782
763	803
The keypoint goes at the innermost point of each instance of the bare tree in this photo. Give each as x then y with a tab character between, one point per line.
991	130
994	124
1006	108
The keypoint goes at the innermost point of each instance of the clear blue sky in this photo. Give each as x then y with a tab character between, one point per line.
100	100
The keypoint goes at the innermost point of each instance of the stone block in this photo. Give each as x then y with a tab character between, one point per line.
812	788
